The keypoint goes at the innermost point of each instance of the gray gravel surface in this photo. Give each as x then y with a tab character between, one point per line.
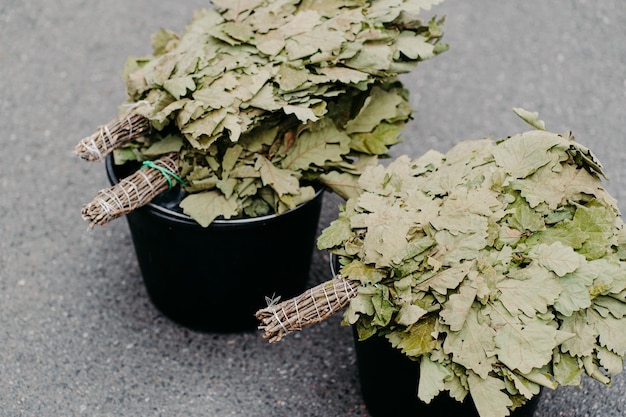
78	335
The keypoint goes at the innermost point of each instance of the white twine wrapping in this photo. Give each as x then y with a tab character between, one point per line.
117	132
132	192
313	306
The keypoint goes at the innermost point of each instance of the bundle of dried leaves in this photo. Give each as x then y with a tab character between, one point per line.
262	97
501	267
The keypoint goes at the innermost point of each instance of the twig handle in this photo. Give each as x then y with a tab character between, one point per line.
111	136
312	306
132	192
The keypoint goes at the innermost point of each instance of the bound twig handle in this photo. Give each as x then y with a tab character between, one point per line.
111	136
134	191
313	306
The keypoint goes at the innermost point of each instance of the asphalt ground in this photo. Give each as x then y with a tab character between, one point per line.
78	335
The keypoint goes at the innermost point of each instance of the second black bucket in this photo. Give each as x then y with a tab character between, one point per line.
215	278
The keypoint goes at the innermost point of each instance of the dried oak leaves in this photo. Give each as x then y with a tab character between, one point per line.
261	95
500	266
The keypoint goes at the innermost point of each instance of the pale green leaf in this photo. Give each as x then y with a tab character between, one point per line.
567	370
372	58
417	340
525	387
162	41
541	377
523	218
234	125
593	370
473	345
171	143
359	271
227	186
291	78
488	396
266	100
584	341
609	305
271	43
455	248
386	11
524	346
385	241
343	184
414	46
464	212
207	206
447	279
542	187
344	75
458	307
580	184
233	9
409	314
281	180
457	385
179	86
317	40
378	141
612	362
335	234
231	156
610	275
525	153
575	295
304	114
317	147
214	97
611	331
201	132
597	225
384	309
432	379
238	30
379	105
532	118
557	258
529	290
162	117
362	303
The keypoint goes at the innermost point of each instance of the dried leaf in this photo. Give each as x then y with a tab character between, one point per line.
207	206
584	341
530	290
409	314
488	396
473	345
523	154
432	379
281	180
524	346
532	118
455	312
417	340
557	258
317	147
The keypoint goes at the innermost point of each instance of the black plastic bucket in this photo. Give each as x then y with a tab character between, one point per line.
215	278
